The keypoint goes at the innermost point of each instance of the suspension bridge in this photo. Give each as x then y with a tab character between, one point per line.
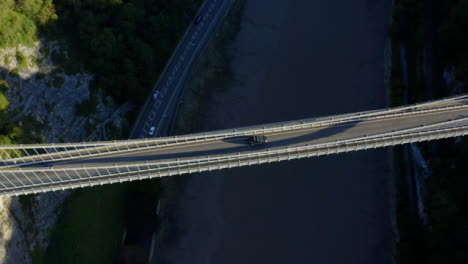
36	168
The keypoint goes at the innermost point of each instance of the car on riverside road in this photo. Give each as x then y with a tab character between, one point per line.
155	95
152	129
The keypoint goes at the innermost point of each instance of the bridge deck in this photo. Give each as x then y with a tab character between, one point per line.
233	151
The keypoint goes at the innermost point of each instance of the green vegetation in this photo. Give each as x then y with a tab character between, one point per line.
444	238
21	59
19	24
6	60
452	37
19	20
409	30
91	224
3	102
90	227
125	43
10	132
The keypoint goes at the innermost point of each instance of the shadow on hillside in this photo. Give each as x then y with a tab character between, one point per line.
27	225
125	45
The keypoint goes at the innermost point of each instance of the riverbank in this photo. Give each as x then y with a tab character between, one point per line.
211	74
429	63
286	60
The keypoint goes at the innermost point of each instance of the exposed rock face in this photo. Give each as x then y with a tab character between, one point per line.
13	246
39	89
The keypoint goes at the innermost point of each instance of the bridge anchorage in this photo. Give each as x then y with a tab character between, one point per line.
37	168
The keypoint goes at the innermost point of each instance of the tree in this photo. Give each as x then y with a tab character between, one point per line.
29	7
47	13
7	5
87	26
3	86
103	44
3	102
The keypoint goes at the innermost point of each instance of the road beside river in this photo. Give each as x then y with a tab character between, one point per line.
295	59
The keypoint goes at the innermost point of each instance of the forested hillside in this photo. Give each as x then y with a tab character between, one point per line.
125	43
434	33
122	45
20	20
451	18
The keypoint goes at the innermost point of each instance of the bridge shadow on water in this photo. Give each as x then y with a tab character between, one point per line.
322	133
240	144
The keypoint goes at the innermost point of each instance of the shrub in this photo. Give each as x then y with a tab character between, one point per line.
21	60
3	102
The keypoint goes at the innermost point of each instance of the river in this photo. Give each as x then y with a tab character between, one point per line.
295	59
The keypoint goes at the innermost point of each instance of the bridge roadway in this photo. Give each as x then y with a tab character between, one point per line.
28	155
227	152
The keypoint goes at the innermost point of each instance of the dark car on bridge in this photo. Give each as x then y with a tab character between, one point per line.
257	140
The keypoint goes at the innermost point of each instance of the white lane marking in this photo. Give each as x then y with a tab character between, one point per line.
182	57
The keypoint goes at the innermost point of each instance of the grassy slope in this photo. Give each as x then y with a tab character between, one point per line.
90	227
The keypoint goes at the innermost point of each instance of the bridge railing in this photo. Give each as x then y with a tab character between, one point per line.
456	99
31	154
24	181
